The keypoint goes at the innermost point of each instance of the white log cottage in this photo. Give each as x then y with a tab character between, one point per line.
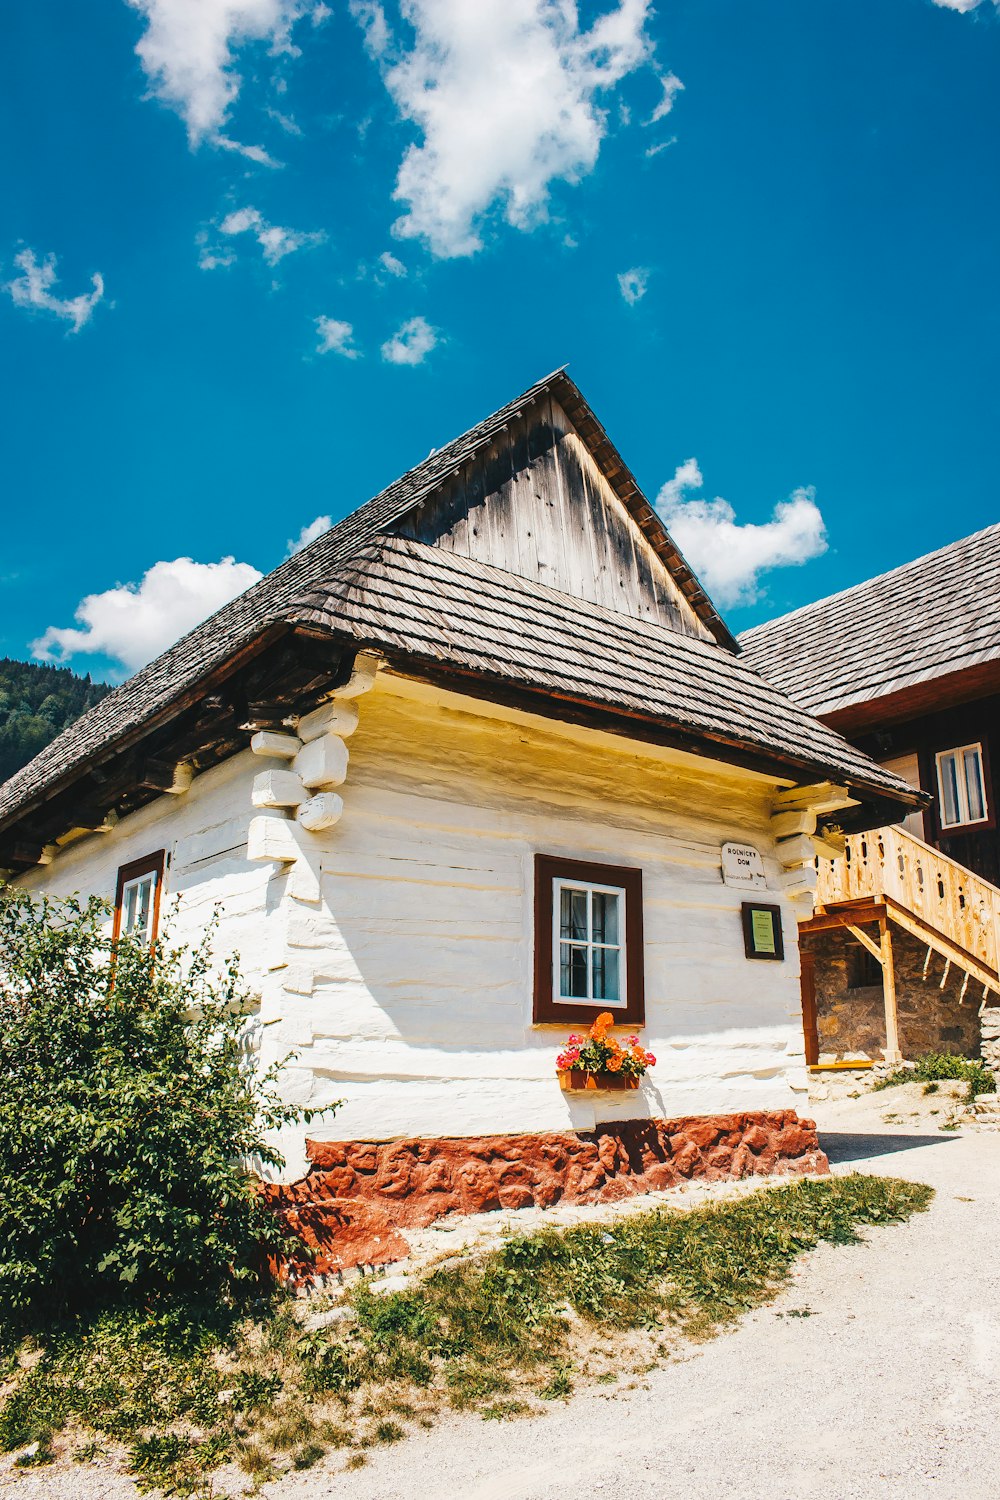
460	776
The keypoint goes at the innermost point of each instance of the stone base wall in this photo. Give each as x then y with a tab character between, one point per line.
990	1025
852	1021
358	1195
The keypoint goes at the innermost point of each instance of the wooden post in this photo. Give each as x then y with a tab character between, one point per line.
892	1052
809	1027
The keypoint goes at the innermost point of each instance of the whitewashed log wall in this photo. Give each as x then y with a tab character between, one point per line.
402	981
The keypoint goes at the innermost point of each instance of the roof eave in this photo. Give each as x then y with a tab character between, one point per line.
657	729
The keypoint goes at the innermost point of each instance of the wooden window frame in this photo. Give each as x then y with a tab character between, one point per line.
549	1011
989	821
150	864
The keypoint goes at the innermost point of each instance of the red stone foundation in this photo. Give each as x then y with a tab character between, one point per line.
357	1195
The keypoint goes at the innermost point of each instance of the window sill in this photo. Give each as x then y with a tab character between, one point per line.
570	1022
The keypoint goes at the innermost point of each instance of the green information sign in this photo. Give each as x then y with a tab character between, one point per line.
762	926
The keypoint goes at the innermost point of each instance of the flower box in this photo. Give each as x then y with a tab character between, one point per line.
598	1061
572	1080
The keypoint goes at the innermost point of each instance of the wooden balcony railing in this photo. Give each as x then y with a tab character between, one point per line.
924	891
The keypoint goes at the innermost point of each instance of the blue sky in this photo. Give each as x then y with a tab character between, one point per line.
764	235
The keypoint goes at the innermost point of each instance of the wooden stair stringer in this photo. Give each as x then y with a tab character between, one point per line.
942	944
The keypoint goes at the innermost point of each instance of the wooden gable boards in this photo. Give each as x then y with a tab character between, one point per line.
535	501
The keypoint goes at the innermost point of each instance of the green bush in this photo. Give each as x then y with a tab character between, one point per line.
130	1110
935	1066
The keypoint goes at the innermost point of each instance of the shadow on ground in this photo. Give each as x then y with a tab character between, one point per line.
858	1146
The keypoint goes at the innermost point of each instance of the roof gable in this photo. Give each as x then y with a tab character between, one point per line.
535	501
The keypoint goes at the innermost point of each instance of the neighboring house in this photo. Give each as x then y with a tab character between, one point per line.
907	667
552	737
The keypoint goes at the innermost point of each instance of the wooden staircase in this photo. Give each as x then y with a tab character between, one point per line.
894	879
893	874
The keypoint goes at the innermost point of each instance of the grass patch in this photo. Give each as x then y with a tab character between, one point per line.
495	1334
935	1066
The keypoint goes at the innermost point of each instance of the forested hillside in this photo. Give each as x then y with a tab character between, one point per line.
35	703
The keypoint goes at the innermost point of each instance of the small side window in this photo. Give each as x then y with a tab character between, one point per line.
137	897
961	787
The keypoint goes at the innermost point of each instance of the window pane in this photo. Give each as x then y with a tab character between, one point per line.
605	917
606	986
948	779
145	895
573	914
974	784
573	971
137	903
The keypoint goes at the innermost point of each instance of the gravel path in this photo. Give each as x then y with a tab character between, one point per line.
889	1387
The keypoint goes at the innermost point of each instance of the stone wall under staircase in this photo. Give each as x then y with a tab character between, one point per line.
851	1021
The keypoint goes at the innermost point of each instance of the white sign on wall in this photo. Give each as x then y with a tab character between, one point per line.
743	867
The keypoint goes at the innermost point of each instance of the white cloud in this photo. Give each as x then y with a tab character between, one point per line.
651	151
213	259
962	5
33	288
687	476
285	121
370	16
506	95
391	263
274	240
410	344
135	622
728	556
672	86
336	337
189	52
309	534
632	284
252	153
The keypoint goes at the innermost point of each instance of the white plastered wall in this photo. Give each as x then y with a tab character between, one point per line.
405	989
204	836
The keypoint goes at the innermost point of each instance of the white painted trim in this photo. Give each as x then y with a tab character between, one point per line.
958	752
559	884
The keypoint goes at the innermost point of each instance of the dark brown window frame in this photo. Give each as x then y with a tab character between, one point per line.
150	864
547	1010
747	910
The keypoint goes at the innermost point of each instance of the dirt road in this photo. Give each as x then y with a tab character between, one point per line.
877	1374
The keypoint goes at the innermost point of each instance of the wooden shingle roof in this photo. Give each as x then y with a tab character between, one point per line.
363	585
432	606
927	620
